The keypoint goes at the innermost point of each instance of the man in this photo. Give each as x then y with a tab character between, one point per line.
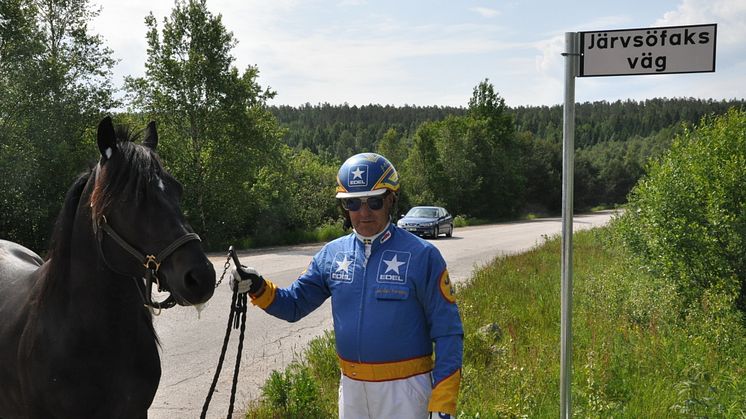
392	304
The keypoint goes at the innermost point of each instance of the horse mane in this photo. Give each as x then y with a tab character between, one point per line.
58	254
126	175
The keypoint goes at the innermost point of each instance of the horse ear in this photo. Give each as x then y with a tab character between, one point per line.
106	138
151	136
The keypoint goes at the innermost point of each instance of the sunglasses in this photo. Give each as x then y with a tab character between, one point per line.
353	204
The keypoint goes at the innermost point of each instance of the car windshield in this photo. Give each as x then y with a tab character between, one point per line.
423	212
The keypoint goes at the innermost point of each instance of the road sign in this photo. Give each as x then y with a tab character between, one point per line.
662	50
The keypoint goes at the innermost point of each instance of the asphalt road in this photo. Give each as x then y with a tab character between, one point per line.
191	342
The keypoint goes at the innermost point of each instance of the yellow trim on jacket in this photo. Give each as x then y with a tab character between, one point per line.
445	394
266	296
386	371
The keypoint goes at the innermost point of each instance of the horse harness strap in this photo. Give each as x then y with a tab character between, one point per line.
151	263
149	260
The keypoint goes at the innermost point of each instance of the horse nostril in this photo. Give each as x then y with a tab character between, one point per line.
197	285
200	277
190	281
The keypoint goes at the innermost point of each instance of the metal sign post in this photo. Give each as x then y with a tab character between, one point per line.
568	164
662	50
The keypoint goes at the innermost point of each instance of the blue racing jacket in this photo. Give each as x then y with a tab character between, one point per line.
390	310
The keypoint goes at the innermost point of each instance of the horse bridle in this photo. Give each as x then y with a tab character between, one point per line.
151	263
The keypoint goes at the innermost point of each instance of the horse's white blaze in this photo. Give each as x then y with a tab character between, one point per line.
161	185
108	152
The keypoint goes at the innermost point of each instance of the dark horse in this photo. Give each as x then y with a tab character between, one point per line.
76	337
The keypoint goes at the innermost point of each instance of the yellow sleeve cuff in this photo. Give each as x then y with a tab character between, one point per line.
445	394
266	298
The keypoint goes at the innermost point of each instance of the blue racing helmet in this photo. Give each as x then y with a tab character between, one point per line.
366	174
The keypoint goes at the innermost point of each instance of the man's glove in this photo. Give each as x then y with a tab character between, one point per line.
246	279
440	415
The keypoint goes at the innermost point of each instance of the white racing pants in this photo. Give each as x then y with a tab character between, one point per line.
396	399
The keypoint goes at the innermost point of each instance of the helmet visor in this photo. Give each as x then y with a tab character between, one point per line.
374	192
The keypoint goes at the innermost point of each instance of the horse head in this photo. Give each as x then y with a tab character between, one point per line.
139	224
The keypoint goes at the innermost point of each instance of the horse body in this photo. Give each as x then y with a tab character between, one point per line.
88	351
18	267
76	340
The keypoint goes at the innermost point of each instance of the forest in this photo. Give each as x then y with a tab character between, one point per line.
253	172
614	141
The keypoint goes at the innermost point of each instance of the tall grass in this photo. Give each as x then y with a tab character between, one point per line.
637	351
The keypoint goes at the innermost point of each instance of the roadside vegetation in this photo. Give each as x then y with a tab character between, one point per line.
658	317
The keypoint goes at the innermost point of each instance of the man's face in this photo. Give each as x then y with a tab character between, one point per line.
368	222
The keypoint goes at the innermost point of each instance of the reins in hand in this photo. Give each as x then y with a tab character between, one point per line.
238	306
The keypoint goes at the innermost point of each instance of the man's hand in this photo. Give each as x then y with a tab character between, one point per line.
246	279
439	415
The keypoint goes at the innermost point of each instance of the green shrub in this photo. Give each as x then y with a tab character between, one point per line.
686	219
464	221
294	392
321	355
307	388
330	231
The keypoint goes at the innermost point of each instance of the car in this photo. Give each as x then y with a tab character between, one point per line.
427	221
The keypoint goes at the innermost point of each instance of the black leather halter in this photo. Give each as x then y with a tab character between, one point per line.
150	263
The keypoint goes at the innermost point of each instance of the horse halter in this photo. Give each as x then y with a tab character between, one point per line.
151	263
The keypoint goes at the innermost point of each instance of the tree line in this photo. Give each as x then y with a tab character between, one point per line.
253	173
325	128
614	141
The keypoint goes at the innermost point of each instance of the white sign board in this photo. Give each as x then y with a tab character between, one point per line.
663	50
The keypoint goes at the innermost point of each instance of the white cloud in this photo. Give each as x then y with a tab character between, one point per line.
352	2
380	52
383	59
551	58
485	12
730	16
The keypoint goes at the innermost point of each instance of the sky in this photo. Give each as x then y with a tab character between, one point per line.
434	52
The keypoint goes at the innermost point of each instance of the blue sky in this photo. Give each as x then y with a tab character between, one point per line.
435	52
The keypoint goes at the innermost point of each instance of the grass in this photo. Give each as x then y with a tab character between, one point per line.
637	352
330	230
464	221
307	389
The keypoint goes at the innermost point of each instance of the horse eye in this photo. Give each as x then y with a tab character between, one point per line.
171	186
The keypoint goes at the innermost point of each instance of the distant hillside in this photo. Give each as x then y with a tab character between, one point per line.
338	131
598	122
